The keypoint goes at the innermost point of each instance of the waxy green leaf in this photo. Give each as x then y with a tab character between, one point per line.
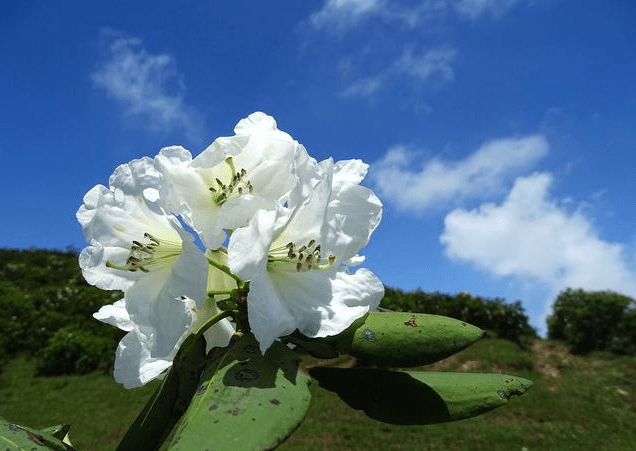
245	401
416	397
59	431
21	438
402	339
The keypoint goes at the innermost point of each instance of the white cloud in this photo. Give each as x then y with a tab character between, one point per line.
341	14
482	173
366	87
473	9
146	85
426	17
436	62
530	236
432	65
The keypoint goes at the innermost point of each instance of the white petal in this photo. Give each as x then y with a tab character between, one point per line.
351	217
111	221
349	171
135	177
353	212
326	302
304	222
92	261
248	246
219	335
260	122
317	303
115	315
151	300
353	296
187	193
134	364
269	317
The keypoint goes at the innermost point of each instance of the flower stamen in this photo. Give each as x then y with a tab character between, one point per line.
237	186
144	255
304	258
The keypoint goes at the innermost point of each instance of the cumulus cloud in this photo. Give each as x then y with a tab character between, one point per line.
148	86
485	172
532	237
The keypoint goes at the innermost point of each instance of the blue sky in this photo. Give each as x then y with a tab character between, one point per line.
501	134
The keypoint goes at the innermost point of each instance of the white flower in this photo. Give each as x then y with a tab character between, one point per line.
137	248
295	257
229	181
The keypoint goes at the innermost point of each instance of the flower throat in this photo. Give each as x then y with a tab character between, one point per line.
237	186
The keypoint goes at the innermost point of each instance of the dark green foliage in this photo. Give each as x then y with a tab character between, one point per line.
623	338
505	320
75	350
31	269
16	306
594	321
42	292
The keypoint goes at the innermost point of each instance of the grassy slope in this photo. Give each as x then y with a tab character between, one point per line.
575	403
99	410
583	403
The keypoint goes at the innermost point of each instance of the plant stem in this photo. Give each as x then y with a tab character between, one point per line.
215	319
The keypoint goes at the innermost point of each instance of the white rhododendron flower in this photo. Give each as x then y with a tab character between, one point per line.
296	257
137	248
295	225
229	181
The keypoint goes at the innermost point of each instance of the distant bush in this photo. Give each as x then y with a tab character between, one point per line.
505	320
75	350
42	292
17	309
594	321
623	337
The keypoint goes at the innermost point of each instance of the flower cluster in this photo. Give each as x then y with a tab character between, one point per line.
274	222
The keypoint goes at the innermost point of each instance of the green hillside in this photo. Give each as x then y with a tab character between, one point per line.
582	403
577	402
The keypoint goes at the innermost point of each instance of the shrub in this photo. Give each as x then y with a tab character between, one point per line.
74	350
41	292
623	338
592	321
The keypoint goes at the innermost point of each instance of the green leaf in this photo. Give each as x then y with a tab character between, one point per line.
416	397
163	410
402	339
246	401
59	431
21	438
